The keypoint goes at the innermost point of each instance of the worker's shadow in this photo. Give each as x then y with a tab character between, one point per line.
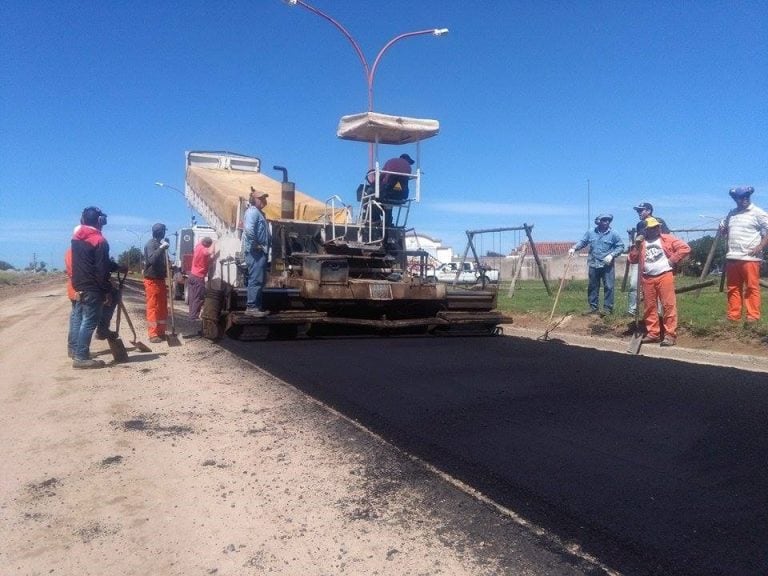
135	358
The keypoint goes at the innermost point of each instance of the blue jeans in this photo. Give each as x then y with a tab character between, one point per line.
257	267
632	306
90	306
605	275
75	318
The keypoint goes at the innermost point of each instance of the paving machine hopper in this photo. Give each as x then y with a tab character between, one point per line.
329	273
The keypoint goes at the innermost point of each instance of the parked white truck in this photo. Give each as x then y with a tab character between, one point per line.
468	273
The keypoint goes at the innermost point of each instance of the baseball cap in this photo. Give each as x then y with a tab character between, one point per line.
644	206
407	158
651	222
258	193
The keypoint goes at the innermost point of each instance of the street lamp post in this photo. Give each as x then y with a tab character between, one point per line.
193	220
368	71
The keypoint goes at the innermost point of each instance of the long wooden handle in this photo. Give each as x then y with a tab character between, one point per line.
169	274
121	306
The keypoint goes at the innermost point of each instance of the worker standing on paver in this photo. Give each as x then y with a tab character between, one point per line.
256	241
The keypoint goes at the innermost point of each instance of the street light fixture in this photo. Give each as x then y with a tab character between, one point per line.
369	71
191	211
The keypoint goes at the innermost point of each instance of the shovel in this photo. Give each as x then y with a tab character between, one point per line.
140	346
637	339
172	338
116	346
550	327
121	309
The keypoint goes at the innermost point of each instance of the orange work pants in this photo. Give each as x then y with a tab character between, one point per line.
656	289
743	279
156	292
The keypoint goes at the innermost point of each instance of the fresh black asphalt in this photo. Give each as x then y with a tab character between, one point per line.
653	466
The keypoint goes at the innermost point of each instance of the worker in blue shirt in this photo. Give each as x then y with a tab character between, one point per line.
604	246
256	241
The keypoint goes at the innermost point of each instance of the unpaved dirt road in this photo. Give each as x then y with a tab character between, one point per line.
187	461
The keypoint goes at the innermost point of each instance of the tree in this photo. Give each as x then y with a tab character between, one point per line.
700	250
6	266
37	267
131	259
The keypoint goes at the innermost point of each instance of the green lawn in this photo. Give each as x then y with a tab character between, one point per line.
702	315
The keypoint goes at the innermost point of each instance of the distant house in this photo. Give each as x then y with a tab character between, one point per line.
432	246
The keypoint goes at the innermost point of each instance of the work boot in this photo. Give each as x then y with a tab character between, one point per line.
106	335
668	341
592	312
651	340
156	339
90	363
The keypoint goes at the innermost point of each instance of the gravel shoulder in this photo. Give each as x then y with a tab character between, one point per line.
188	460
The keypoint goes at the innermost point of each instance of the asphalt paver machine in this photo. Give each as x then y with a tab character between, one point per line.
330	274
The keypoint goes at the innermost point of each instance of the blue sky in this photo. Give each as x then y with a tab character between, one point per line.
648	101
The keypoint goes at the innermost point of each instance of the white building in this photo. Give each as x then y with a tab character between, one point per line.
433	246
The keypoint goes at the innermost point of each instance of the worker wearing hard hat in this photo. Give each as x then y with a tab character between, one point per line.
746	228
644	210
658	255
604	245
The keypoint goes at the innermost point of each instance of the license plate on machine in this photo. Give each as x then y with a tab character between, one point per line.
381	292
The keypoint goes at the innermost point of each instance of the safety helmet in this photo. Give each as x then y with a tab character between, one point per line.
741	192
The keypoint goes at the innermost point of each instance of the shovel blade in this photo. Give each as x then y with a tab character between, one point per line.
635	343
173	340
119	353
141	347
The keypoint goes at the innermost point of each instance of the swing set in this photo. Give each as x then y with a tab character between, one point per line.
471	234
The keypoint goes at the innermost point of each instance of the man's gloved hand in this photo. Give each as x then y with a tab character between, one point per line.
639	239
608	259
571	251
164	244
